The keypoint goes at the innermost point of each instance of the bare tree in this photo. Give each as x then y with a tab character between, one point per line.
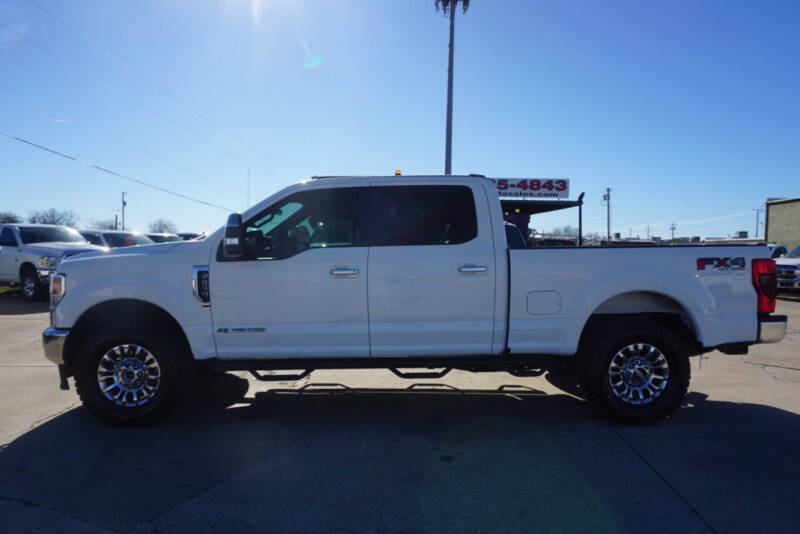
449	6
104	224
54	216
564	230
9	217
161	225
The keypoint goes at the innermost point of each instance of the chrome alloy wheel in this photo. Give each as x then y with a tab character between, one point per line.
29	286
638	373
128	375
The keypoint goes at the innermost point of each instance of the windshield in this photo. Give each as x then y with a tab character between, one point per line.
125	239
794	253
49	234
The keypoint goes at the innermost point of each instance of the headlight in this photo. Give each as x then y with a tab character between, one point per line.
49	262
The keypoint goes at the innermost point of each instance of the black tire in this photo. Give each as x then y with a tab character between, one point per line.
610	338
88	385
32	289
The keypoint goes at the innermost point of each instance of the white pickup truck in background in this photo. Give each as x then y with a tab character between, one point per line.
400	272
30	253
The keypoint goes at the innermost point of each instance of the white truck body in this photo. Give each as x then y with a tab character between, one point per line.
426	302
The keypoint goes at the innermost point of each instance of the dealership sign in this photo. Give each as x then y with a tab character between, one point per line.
530	188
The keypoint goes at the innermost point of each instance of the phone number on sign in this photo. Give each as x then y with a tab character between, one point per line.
531	185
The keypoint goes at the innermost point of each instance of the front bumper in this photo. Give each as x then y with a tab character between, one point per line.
788	282
772	328
53	341
45	274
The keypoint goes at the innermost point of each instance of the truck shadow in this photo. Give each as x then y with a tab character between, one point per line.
425	458
12	303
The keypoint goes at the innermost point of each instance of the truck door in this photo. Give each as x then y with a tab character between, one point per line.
431	271
302	291
8	251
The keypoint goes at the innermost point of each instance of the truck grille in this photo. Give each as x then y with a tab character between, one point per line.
785	272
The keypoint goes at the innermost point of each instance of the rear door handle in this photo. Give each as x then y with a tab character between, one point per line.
470	268
344	271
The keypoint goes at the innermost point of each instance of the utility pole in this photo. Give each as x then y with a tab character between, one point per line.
607	198
758	212
124	203
672	229
247	204
648	232
450	5
116	222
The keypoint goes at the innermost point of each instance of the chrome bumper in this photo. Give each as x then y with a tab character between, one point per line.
45	274
53	342
772	329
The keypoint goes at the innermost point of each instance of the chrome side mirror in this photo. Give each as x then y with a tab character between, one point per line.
233	242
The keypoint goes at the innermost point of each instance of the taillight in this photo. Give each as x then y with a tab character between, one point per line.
766	284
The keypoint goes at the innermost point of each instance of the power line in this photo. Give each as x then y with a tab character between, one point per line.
113	89
149	81
124	142
109	171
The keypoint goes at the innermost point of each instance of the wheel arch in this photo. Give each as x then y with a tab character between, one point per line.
140	311
25	266
649	304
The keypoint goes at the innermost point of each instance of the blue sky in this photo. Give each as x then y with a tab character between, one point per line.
688	110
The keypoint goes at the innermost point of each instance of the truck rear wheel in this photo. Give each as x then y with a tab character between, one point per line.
126	374
635	370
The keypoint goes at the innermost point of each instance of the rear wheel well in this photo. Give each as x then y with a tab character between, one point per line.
673	321
138	311
24	267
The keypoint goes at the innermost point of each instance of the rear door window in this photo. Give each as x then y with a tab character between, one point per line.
421	215
7	237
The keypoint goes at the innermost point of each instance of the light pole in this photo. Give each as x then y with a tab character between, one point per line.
450	5
758	212
124	203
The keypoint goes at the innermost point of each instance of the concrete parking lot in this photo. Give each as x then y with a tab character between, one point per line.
359	451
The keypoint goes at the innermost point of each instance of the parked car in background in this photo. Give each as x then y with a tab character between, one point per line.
30	253
188	236
777	249
164	237
115	239
788	270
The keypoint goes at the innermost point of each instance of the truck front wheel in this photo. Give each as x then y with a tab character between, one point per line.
32	289
126	373
635	370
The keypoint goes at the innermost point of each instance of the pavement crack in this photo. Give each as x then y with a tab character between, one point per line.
33	504
655	471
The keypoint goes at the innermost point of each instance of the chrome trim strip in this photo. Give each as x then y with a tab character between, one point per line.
195	270
53	343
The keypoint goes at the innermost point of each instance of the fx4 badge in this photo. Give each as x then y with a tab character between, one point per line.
725	264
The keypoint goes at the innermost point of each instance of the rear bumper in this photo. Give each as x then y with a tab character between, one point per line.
772	328
53	341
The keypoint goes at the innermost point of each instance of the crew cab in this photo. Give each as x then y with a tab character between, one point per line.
30	253
400	272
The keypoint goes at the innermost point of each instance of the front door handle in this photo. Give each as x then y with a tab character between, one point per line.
344	271
470	268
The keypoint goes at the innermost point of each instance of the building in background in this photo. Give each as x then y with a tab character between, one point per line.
782	223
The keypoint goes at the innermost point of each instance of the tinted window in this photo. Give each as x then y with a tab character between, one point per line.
94	239
514	237
7	238
125	239
421	215
778	252
320	218
49	234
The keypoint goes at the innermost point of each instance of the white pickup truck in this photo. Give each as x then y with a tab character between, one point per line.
400	272
30	253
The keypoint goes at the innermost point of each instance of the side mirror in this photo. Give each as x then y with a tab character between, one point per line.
233	242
